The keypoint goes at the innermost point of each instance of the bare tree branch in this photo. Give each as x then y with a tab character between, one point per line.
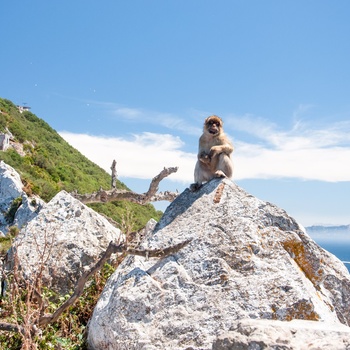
11	327
79	287
158	253
112	249
150	196
153	187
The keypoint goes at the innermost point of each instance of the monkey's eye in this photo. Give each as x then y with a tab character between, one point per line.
213	123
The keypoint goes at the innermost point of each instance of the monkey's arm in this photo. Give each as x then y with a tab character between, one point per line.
226	148
203	150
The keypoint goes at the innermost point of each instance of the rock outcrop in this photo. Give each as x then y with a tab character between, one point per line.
16	208
65	238
248	260
277	335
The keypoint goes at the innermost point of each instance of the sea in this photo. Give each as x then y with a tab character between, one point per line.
336	240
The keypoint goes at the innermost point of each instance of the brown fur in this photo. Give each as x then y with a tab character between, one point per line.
214	152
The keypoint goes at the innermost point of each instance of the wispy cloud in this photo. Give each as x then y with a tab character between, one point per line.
143	116
128	113
166	120
301	134
302	152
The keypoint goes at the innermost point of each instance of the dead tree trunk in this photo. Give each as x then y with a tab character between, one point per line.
114	174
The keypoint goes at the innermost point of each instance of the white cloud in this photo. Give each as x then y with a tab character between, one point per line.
302	152
324	164
143	156
309	154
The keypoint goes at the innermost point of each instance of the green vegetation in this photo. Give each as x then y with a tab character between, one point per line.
6	242
130	216
10	215
47	165
68	332
50	165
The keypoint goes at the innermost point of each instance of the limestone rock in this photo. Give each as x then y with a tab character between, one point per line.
16	208
247	260
64	239
271	335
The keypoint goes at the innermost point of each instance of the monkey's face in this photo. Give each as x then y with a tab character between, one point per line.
213	125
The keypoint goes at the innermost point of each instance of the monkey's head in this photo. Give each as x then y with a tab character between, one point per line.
213	125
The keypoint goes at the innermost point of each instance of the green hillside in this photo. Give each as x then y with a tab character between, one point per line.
49	164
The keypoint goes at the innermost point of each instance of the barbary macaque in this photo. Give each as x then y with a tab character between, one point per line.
214	153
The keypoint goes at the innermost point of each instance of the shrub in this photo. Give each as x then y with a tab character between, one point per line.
10	215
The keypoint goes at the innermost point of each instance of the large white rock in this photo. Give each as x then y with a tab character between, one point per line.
63	240
10	182
247	260
11	189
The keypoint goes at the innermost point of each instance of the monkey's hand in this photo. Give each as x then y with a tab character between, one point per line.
204	158
215	151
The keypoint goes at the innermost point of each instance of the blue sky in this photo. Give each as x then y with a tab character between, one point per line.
134	80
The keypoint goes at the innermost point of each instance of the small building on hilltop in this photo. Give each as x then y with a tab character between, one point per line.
23	109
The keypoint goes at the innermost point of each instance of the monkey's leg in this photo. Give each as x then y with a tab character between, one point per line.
224	167
202	174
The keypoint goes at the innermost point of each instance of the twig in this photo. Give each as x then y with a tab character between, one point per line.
11	327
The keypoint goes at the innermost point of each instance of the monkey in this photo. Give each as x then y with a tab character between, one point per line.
214	153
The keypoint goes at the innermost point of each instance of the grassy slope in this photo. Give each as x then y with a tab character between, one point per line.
51	165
